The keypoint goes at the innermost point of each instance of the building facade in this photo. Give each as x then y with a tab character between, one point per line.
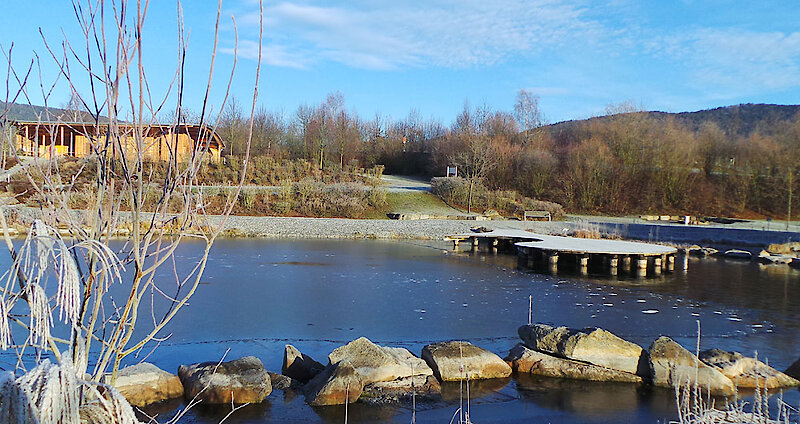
155	142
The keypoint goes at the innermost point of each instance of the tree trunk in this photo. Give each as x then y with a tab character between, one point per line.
469	197
789	208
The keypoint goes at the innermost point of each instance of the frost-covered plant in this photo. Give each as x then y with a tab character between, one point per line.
57	394
56	298
696	407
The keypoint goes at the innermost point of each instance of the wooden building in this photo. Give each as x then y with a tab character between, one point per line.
81	139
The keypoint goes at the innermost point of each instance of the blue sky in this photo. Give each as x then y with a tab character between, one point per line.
388	57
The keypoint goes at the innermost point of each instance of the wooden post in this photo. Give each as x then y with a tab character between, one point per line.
583	264
530	309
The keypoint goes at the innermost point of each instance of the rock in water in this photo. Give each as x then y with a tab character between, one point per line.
671	365
595	345
144	384
377	363
241	381
338	384
299	366
524	360
794	370
746	372
447	358
423	386
283	382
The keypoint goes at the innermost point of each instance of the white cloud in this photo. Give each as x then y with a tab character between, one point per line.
448	33
271	54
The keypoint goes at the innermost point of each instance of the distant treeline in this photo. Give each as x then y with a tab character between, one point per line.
736	161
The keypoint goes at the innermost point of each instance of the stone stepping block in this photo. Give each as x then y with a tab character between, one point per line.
144	384
592	345
378	363
673	366
337	384
746	372
457	360
240	381
524	360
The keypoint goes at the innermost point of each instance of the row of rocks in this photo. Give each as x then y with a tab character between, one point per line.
598	355
768	257
358	369
364	370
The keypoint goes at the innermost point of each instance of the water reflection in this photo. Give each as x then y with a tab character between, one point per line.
452	391
356	413
592	398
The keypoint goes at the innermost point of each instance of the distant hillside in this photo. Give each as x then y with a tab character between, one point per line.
18	112
739	120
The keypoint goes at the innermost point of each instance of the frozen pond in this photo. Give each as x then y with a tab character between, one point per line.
258	295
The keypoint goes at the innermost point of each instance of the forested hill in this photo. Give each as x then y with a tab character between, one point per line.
738	120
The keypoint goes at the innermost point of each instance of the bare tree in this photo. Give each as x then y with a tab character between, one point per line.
528	114
157	212
474	152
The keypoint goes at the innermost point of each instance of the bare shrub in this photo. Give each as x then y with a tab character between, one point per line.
455	191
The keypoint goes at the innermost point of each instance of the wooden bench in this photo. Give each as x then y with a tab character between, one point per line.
536	215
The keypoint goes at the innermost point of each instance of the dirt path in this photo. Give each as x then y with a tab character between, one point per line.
401	183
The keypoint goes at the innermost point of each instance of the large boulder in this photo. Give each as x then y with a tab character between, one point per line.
377	363
338	384
144	384
746	372
594	345
524	360
422	386
241	381
671	365
298	365
794	370
457	360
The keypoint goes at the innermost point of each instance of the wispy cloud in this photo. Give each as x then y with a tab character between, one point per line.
444	33
734	61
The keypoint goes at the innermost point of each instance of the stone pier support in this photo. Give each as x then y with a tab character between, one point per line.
613	263
671	263
626	263
475	243
657	265
455	244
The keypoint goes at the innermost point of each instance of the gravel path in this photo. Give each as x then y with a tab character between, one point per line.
428	229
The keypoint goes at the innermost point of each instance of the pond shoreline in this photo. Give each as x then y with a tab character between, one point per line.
436	229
